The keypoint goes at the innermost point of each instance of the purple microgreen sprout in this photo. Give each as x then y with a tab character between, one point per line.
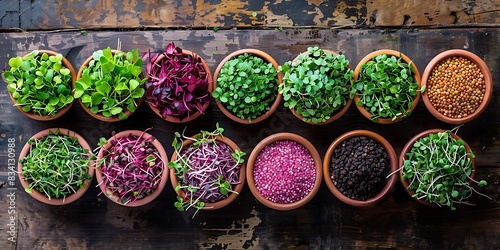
177	85
207	169
131	168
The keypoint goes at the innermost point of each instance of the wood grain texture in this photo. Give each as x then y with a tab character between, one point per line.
94	222
112	14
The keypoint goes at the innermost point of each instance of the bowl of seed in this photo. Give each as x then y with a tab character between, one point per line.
284	171
458	86
359	167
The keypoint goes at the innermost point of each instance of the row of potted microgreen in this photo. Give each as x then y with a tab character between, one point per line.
284	171
318	85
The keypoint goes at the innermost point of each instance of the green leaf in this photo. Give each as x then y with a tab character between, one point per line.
116	110
15	62
138	93
133	84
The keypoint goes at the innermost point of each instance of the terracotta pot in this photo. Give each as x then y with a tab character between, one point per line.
407	148
99	116
338	113
232	196
274	105
195	114
369	57
62	111
164	177
386	190
487	80
284	137
40	196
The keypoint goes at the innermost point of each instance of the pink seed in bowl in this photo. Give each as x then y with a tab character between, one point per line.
284	172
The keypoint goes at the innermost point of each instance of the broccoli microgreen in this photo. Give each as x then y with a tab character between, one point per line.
316	85
247	86
438	168
386	87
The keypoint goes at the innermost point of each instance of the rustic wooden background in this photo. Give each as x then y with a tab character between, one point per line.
283	29
112	14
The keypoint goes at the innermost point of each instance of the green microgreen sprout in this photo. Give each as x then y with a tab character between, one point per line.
386	87
39	83
247	86
56	165
438	168
316	85
111	83
207	169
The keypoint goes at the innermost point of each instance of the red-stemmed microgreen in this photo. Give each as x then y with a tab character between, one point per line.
131	168
177	85
207	169
56	165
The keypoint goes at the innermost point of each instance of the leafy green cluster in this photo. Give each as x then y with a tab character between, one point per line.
247	86
111	83
438	168
386	87
316	85
39	83
56	165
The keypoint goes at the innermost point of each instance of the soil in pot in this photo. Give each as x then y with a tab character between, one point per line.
359	167
284	172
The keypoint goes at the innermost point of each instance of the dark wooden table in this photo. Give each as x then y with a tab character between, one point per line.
398	222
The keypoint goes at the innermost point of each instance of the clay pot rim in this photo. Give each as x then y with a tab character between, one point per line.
390	182
487	80
210	87
232	196
367	58
40	196
99	116
408	147
66	63
280	137
339	112
274	105
164	177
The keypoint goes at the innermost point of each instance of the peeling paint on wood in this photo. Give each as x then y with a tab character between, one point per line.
96	14
399	222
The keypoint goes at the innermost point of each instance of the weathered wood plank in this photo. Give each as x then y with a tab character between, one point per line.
325	223
111	14
431	13
9	14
